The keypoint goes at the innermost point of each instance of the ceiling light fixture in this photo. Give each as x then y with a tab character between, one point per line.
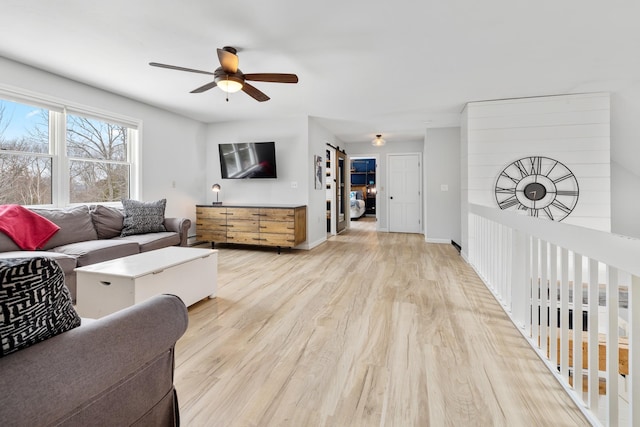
378	141
229	84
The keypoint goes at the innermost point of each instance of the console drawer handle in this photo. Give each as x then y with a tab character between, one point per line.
105	283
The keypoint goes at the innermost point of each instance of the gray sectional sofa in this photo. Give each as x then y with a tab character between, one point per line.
92	234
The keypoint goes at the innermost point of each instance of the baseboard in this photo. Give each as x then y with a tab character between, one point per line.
443	241
310	245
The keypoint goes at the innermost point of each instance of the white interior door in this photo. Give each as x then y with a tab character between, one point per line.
404	192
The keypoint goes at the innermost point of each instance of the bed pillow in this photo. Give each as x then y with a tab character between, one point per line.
34	302
143	217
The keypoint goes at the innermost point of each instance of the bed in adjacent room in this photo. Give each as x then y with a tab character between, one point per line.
357	205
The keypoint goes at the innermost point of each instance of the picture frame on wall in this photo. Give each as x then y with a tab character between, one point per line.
317	169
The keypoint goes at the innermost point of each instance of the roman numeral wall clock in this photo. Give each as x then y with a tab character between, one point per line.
540	186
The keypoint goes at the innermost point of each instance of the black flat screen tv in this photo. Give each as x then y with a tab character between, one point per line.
248	160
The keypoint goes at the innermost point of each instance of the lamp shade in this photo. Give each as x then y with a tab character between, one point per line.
378	141
216	189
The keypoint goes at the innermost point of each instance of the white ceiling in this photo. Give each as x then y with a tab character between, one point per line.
365	67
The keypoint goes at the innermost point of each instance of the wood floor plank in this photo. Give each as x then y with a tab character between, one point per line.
368	329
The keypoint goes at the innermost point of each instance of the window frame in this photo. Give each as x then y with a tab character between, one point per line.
58	111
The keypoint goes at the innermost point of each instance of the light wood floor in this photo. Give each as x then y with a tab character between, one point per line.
368	329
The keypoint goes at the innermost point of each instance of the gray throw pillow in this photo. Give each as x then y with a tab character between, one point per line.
34	302
143	217
74	222
108	221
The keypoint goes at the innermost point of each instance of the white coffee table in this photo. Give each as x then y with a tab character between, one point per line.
106	287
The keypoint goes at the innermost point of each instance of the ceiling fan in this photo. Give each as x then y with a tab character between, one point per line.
230	79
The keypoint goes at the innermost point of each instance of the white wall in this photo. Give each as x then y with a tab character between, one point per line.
442	168
625	156
172	145
362	149
297	139
573	129
319	137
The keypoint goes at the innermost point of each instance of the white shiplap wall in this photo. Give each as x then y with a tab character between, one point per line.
573	129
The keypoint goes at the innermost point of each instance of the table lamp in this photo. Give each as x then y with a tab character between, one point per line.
216	189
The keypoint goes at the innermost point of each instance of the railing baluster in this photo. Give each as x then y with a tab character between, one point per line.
528	285
535	291
577	323
612	347
633	378
564	315
506	244
553	305
544	306
594	343
492	250
519	278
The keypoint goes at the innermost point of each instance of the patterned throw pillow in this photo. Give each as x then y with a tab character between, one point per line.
34	302
143	217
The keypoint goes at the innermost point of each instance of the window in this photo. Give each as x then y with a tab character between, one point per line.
25	159
55	157
98	166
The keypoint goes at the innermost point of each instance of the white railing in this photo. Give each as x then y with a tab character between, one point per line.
534	267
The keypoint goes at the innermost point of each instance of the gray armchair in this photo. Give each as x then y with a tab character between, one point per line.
115	371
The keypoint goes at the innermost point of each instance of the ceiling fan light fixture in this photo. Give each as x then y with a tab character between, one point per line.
230	84
378	141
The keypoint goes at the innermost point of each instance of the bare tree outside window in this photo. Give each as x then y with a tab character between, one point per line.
97	156
99	171
25	173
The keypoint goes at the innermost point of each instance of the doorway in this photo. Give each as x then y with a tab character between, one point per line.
405	193
363	187
342	199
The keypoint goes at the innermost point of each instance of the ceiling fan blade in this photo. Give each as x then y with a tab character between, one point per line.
174	67
228	60
254	93
272	77
204	87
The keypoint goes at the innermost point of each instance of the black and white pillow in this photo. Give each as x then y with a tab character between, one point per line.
34	302
143	217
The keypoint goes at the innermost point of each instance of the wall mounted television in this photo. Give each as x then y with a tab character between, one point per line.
248	160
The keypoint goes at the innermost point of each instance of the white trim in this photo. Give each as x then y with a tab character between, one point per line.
20	95
614	250
311	245
376	158
420	183
440	241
